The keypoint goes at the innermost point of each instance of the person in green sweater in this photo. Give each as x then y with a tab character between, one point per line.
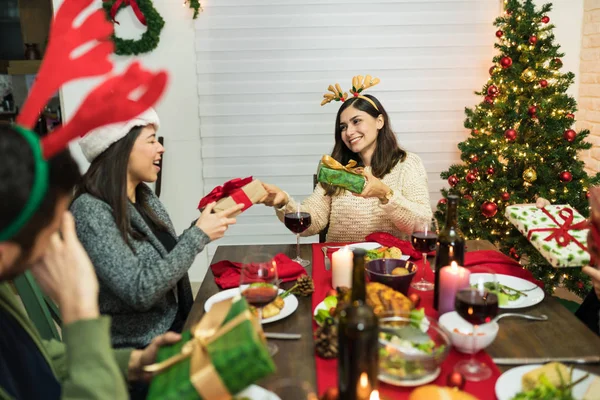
84	365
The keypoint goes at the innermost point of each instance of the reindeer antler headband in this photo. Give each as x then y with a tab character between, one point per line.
358	86
108	103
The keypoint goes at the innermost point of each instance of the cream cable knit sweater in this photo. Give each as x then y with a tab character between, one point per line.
351	218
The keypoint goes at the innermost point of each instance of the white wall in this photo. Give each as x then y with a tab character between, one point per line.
180	124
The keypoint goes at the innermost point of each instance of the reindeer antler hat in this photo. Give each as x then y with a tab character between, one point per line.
108	103
358	86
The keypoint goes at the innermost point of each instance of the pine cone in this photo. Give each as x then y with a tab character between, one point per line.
326	339
304	286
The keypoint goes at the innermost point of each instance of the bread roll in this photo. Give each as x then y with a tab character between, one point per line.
434	392
553	371
593	391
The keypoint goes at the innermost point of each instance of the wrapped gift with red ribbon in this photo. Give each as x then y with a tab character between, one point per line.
559	232
246	191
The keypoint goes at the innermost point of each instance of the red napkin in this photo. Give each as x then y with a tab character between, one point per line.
499	263
388	240
227	273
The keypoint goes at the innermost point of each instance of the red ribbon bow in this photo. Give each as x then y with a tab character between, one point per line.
136	9
561	233
226	190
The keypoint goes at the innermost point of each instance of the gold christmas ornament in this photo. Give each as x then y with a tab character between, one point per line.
529	175
528	75
502	160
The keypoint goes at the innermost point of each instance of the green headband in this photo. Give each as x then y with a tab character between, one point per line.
38	190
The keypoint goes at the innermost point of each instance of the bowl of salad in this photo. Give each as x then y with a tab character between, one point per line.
411	347
392	272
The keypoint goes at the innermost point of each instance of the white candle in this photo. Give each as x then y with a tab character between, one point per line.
342	262
452	279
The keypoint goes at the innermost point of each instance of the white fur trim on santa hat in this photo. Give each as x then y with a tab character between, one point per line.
95	142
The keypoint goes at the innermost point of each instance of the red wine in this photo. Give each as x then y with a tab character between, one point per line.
260	296
358	331
475	306
424	241
450	246
297	222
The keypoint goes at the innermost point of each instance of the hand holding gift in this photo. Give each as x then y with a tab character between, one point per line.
374	187
215	224
246	191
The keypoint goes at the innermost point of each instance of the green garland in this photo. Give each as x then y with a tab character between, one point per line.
150	38
195	5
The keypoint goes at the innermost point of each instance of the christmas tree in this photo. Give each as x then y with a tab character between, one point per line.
522	145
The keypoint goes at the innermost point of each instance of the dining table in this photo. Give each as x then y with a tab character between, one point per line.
563	335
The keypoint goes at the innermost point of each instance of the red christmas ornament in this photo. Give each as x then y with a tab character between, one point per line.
489	209
570	135
471	177
490	171
532	110
415	299
545	19
543	83
505	196
499	33
492	90
442	201
475	171
474	159
533	39
556	63
510	135
489	99
566	176
468	197
453	180
506	62
456	380
580	285
570	116
513	253
475	132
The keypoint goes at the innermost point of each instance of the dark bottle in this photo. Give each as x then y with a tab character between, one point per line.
450	245
358	354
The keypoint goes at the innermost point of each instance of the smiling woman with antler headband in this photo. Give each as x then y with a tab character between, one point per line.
395	194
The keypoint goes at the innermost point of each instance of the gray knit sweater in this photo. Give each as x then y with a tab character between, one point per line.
137	283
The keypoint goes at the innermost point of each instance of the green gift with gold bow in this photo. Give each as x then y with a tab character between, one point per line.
219	357
349	177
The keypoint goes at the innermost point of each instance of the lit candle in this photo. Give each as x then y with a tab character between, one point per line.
374	395
363	391
341	268
452	279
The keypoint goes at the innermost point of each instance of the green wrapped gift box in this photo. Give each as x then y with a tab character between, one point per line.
348	177
222	355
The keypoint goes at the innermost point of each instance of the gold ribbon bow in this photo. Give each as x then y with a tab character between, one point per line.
203	375
351	167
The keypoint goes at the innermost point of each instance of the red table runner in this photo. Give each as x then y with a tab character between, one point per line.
327	369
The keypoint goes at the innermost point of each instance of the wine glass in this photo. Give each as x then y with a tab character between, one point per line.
259	284
297	222
424	239
477	304
291	389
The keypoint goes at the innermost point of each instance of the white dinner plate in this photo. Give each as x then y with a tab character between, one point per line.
509	383
254	392
533	297
290	303
365	245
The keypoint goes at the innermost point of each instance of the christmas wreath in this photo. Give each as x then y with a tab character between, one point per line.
147	15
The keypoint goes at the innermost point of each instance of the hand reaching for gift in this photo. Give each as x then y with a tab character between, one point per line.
275	197
140	358
373	187
215	224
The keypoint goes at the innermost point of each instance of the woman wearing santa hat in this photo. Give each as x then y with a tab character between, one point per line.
141	262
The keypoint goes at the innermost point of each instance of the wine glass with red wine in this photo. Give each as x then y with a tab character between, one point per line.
424	239
477	304
297	222
259	284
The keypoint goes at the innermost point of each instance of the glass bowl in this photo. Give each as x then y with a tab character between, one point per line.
380	270
402	359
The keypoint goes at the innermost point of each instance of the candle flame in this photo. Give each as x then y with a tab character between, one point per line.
374	395
454	265
363	380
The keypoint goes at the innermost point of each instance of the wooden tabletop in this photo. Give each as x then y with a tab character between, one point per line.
562	335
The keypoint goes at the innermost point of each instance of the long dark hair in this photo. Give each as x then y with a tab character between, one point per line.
106	179
387	151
